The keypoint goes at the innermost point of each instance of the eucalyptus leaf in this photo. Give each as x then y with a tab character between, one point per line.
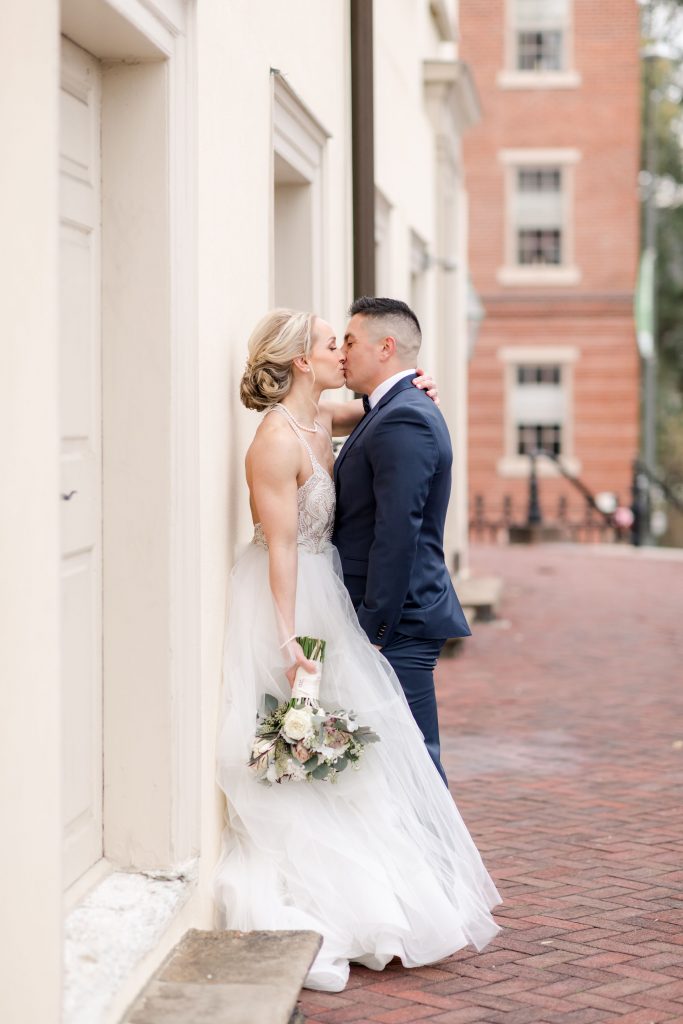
270	703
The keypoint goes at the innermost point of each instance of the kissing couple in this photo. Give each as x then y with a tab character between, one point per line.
381	863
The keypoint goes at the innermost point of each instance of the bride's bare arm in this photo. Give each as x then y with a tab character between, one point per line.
341	417
273	463
344	416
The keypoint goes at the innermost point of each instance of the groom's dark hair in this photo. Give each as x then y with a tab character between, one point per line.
397	318
378	308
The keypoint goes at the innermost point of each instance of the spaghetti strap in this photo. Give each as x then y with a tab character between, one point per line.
314	462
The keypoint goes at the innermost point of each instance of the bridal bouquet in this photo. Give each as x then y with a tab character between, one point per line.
298	740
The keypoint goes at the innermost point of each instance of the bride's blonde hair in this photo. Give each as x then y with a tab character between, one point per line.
275	342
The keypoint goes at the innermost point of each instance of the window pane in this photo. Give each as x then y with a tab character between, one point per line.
530	373
539	179
538	200
540	51
539	247
539	437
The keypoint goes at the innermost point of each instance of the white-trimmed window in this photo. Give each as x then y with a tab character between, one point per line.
541	28
538	44
298	250
538	407
539	217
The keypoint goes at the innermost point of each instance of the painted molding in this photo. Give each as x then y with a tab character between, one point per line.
442	20
298	135
451	96
136	30
528	156
538	354
538	79
538	275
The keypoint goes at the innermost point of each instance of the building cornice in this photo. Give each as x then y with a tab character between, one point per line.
443	21
451	96
558	304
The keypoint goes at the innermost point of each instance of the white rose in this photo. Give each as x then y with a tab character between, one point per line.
297	724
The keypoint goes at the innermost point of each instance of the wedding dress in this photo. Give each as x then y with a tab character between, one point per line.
379	862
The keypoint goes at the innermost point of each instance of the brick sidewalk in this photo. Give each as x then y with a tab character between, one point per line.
562	728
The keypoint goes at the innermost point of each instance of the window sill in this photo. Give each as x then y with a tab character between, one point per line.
538	275
517	466
111	931
538	79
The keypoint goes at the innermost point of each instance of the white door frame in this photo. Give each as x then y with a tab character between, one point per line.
152	694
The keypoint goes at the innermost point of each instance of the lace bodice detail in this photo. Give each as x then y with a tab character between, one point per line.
316	499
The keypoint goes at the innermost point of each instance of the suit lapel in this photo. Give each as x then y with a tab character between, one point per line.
400	385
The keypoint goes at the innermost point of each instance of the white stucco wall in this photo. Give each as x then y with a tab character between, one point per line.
237	44
231	48
30	755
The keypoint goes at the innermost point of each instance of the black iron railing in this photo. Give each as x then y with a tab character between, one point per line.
594	523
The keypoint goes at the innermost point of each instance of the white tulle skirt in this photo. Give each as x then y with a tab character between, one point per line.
379	862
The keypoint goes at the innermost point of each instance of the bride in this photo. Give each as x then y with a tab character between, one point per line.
380	862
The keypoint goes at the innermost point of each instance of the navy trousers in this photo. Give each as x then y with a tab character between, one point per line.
413	660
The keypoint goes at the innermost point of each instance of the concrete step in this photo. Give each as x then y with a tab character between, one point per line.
481	596
228	977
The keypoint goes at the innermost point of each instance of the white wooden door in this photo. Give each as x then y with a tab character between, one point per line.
81	458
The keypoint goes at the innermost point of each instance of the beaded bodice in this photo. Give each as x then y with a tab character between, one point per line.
316	499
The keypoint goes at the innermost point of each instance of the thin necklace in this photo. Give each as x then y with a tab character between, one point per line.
310	430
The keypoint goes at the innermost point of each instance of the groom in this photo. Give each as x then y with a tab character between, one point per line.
393	481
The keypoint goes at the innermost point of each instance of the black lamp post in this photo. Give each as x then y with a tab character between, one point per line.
534	517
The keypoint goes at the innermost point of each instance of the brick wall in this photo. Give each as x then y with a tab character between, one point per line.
599	118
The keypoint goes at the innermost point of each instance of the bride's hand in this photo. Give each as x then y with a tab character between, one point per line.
426	383
294	651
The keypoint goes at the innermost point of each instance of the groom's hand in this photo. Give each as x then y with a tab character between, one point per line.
426	383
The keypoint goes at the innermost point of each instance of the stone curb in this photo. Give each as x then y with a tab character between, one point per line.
228	977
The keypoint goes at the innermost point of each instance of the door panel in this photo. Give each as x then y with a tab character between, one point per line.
81	458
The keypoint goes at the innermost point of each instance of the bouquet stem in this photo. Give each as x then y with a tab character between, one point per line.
313	648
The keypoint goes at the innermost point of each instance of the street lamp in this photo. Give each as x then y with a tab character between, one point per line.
475	316
646	312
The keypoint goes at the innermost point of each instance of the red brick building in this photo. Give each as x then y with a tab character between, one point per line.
552	179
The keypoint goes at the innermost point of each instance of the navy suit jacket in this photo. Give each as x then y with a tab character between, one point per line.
393	482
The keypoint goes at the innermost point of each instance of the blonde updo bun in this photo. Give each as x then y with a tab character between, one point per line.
276	341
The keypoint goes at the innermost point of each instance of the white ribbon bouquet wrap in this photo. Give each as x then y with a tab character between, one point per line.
297	740
307	684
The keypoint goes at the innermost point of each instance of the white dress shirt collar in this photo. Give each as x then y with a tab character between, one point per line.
386	385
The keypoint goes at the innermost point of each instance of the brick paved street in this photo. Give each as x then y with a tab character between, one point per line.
562	726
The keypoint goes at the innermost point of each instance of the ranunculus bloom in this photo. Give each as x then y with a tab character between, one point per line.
302	753
335	738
